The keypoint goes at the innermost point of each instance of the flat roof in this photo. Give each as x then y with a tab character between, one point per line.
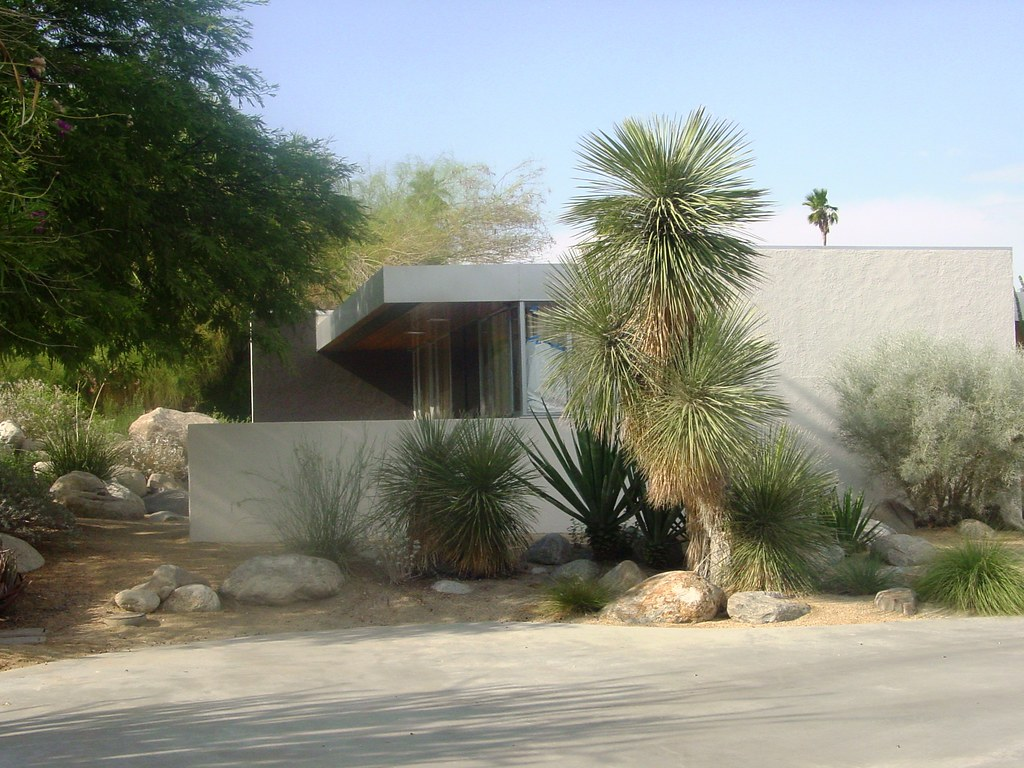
398	301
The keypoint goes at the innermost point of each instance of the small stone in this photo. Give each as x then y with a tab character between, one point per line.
584	570
137	600
448	587
673	597
11	435
163	481
166	517
898	600
974	529
540	570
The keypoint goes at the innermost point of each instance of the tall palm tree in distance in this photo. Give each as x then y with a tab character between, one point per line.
656	353
822	215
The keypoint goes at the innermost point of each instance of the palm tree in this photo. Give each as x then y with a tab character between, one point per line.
822	215
656	355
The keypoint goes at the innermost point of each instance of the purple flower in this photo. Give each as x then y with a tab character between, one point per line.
40	217
63	126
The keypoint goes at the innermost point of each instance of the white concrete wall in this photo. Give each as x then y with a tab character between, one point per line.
231	466
818	304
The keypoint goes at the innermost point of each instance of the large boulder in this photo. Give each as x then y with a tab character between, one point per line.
578	569
673	597
903	550
25	555
164	481
132	479
167	501
282	580
622	578
551	549
85	495
166	425
764	607
191	598
896	515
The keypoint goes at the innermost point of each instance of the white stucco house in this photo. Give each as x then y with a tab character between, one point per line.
461	339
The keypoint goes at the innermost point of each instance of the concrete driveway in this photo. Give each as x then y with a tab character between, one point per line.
928	693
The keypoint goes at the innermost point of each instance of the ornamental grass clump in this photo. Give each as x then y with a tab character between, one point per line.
859	575
85	447
976	576
570	597
462	490
774	517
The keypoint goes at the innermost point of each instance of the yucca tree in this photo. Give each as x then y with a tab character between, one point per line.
656	354
822	215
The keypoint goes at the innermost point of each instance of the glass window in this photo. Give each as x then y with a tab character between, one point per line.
542	390
498	339
432	391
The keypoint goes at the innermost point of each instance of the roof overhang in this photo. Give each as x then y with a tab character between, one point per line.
399	307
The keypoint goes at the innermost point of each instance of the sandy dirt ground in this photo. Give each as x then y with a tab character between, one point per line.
72	594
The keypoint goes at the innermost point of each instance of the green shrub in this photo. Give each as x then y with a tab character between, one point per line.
26	510
570	597
316	505
461	490
10	580
976	576
660	533
594	483
940	419
859	575
774	517
36	407
85	448
849	521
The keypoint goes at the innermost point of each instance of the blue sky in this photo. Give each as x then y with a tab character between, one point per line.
909	113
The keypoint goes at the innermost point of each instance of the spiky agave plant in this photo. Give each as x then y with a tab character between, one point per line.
593	482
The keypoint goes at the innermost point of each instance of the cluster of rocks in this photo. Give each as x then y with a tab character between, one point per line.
262	580
130	494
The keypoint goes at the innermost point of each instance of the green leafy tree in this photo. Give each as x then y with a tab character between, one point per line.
655	353
444	211
157	212
822	215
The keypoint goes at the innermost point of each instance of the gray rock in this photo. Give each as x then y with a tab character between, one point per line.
11	435
447	587
832	555
578	569
904	576
32	445
162	481
132	479
974	529
903	550
673	597
137	600
764	607
173	501
42	468
25	554
540	570
179	576
898	600
282	579
896	515
191	598
551	549
623	577
86	495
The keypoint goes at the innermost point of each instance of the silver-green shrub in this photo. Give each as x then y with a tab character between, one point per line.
38	408
941	419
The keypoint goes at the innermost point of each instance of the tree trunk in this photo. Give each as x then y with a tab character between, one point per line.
709	550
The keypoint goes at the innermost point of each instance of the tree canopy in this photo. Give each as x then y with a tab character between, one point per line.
142	206
822	215
444	211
